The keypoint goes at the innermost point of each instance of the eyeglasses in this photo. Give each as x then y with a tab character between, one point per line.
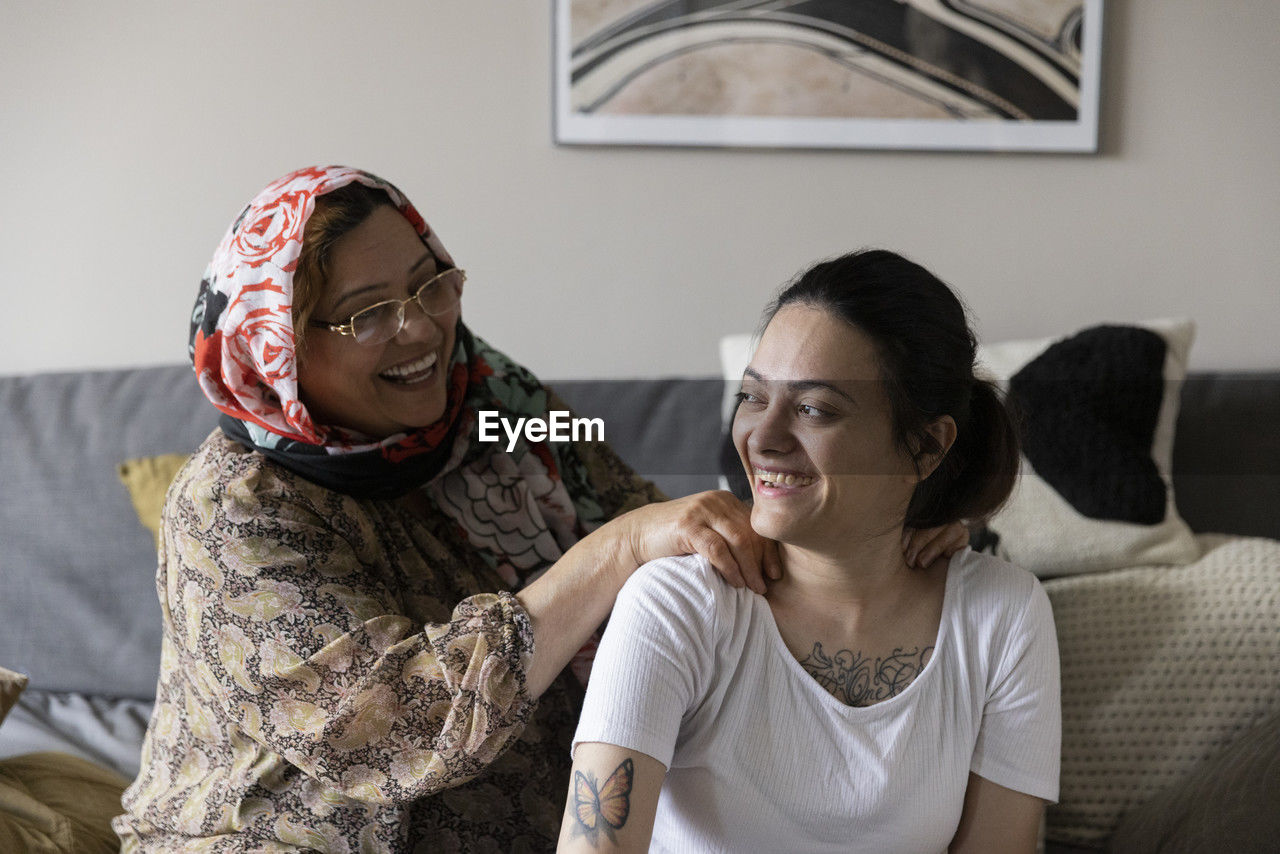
383	321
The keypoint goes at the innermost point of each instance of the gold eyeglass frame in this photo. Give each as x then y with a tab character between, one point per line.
349	328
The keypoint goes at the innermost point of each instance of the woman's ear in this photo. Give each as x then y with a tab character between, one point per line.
943	432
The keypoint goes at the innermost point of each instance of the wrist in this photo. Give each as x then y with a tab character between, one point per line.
619	541
631	547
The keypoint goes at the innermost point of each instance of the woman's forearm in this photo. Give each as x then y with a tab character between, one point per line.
571	599
997	820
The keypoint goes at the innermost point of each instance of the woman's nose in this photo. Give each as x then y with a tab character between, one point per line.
771	431
418	325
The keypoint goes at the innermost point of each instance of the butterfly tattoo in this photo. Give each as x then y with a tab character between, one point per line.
603	809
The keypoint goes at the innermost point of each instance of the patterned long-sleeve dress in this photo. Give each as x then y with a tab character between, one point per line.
343	675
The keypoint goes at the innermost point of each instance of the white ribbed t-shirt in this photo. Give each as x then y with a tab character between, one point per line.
760	757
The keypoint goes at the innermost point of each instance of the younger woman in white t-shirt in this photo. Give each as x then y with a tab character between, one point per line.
861	705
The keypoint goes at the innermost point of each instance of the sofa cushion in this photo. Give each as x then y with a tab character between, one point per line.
51	803
1097	411
1229	803
79	610
1162	668
148	479
103	730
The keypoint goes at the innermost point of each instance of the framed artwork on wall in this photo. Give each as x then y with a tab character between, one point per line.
992	75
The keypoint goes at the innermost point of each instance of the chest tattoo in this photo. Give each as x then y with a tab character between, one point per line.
856	680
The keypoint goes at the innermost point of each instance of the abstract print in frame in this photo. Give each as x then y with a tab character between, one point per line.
997	75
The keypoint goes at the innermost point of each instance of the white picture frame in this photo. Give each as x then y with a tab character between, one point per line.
1001	83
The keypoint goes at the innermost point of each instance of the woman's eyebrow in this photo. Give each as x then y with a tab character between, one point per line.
364	289
429	256
808	385
799	385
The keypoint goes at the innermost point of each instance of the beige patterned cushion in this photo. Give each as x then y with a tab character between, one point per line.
1162	667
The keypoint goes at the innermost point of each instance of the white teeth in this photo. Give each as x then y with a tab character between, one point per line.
410	369
779	479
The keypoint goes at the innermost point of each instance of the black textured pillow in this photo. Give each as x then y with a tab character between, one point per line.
1229	803
1096	411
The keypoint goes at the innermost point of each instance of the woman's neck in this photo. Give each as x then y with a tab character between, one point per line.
859	621
863	574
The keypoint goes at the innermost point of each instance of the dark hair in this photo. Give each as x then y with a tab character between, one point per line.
926	352
336	213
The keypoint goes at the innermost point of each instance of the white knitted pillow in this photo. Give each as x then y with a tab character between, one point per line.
1097	411
1162	667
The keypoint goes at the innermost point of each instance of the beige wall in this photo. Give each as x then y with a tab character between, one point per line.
132	132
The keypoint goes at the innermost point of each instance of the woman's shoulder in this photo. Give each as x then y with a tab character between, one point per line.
224	473
679	584
986	573
1000	612
218	451
680	611
231	512
989	587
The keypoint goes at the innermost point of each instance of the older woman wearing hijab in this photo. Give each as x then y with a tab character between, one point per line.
365	606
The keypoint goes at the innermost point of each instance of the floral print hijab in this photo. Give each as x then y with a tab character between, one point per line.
521	507
242	342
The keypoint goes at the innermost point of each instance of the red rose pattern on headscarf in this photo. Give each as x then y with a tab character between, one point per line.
242	342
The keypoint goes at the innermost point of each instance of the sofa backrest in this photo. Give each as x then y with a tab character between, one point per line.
78	609
1226	453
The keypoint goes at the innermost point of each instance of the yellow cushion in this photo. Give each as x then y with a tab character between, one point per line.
11	685
148	479
58	803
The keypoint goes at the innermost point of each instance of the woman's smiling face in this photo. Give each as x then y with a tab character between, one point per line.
387	388
814	431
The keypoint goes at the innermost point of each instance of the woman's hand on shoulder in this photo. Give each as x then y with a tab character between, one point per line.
715	525
922	546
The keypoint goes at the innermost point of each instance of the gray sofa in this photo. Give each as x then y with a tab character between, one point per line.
78	610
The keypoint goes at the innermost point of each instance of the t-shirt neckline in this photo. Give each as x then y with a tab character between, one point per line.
811	684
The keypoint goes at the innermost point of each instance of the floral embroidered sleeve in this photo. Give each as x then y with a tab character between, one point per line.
289	622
